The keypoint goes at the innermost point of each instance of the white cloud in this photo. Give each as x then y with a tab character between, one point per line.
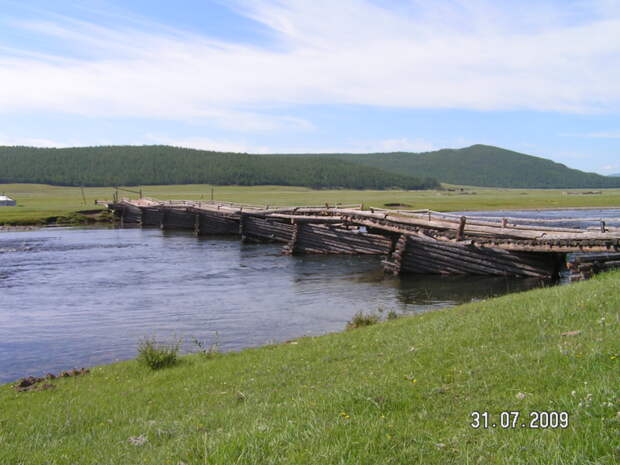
452	54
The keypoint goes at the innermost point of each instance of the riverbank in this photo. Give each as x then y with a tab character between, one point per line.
397	392
43	204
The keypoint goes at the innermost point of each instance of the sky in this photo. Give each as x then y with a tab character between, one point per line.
537	76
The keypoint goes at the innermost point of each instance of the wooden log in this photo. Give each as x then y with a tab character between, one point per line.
151	216
214	223
395	263
480	262
307	218
498	255
479	265
130	214
178	218
584	258
456	258
260	229
547	247
313	238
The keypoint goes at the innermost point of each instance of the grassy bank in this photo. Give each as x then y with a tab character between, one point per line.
38	203
393	393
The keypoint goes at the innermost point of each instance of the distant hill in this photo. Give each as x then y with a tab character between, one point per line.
483	165
617	175
478	165
144	165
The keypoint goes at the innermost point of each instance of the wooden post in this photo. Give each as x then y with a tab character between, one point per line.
241	226
394	266
162	225
289	249
197	224
461	231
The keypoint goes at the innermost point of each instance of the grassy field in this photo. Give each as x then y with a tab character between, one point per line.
37	203
398	392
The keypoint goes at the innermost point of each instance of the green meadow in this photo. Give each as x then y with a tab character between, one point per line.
37	203
397	392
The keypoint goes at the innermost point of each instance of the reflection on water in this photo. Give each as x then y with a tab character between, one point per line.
80	297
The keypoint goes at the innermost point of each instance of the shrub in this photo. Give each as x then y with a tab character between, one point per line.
157	355
360	319
205	350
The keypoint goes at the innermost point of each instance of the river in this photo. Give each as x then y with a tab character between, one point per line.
73	297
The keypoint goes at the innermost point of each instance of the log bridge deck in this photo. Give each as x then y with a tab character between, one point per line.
420	241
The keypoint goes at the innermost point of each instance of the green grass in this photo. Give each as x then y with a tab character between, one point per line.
398	392
37	202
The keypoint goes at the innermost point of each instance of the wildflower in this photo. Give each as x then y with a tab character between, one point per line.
520	395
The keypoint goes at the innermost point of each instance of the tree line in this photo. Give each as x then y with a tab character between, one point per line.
161	165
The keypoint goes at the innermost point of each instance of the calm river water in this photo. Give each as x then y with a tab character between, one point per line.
80	297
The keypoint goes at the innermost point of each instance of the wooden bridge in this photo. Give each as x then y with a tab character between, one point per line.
412	241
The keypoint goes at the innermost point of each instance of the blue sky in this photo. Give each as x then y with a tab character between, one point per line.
540	77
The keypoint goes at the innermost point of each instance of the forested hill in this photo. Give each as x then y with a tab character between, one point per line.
484	165
478	165
144	165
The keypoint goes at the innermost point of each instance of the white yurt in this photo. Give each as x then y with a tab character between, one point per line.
7	201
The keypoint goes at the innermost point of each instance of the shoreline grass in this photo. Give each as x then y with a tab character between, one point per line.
391	393
41	204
